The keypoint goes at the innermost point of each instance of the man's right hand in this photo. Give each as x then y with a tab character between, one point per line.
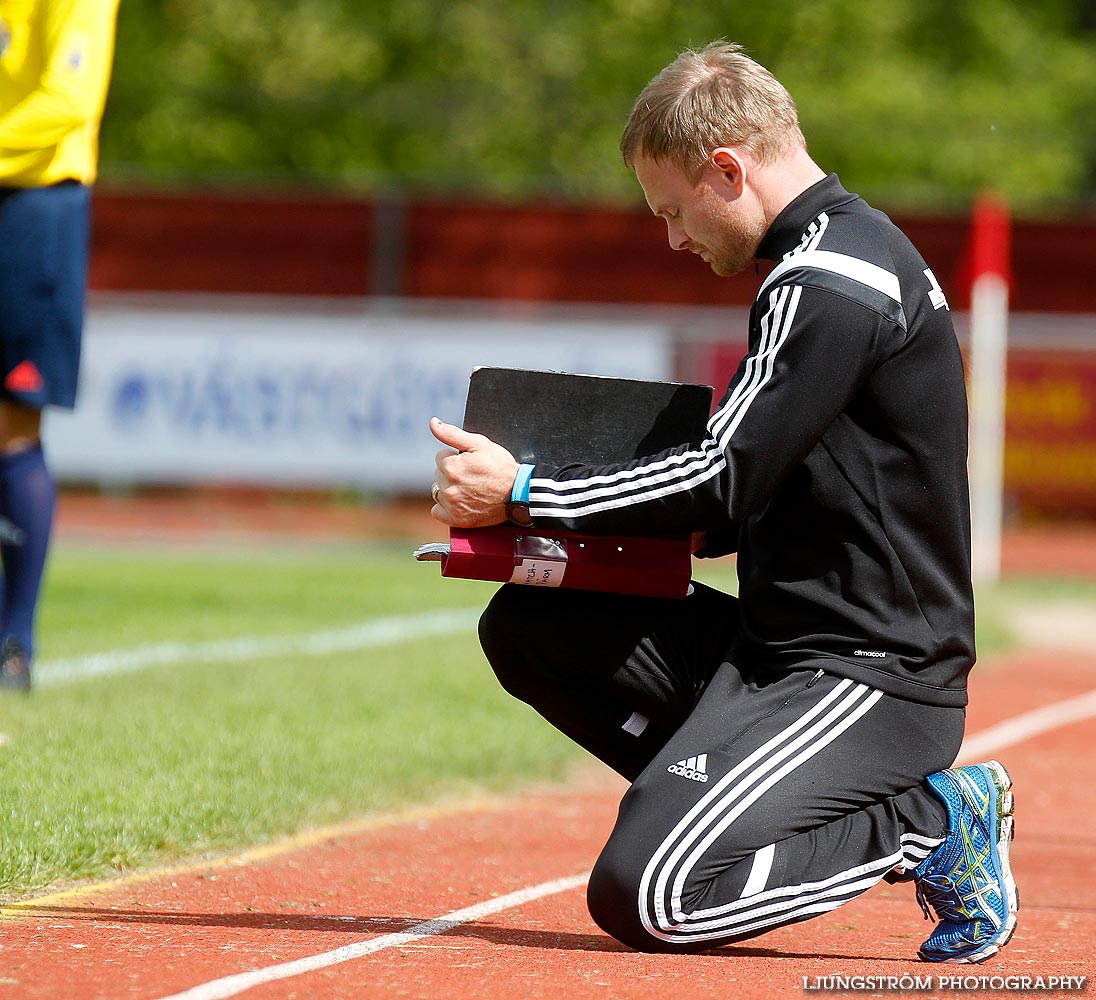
475	477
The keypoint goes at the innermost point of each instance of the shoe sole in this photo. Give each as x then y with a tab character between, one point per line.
1004	805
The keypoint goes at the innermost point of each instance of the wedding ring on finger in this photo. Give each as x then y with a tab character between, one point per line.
434	492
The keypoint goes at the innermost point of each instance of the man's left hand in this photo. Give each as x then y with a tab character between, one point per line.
475	477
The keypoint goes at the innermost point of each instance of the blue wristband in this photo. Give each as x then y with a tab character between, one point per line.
520	492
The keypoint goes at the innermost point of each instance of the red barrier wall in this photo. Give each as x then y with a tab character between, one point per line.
310	244
221	243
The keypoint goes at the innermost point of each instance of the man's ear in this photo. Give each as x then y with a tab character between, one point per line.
731	164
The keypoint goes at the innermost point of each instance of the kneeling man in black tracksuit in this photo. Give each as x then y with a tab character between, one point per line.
791	747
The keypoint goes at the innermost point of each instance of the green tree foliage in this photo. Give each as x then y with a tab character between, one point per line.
917	103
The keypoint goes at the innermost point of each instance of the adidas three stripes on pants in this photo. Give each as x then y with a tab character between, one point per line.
757	800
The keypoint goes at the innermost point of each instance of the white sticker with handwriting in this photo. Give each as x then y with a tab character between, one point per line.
539	572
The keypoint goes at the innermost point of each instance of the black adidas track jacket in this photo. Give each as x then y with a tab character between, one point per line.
835	464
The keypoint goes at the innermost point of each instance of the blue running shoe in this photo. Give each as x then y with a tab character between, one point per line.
967	879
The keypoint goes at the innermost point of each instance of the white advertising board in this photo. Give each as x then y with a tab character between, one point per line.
285	396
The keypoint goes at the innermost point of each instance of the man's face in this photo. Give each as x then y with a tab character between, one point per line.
715	219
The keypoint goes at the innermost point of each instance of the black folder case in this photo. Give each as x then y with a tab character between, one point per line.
559	418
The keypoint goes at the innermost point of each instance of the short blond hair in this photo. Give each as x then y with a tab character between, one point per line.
707	98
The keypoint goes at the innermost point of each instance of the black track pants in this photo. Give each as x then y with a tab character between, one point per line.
756	800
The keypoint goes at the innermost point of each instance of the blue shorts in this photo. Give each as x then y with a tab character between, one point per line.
43	278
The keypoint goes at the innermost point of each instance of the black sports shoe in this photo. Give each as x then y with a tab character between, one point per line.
14	667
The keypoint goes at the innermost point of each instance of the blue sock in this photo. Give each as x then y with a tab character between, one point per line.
27	495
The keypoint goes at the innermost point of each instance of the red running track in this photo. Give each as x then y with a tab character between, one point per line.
154	936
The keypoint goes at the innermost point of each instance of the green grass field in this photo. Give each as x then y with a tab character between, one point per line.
210	746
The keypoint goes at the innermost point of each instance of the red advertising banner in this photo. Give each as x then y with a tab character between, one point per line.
1050	432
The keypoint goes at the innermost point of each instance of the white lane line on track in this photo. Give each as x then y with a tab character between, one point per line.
230	986
978	746
1029	724
377	632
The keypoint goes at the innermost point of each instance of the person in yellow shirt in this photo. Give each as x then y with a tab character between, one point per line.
55	64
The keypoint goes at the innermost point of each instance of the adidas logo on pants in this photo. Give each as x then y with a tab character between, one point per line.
694	768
